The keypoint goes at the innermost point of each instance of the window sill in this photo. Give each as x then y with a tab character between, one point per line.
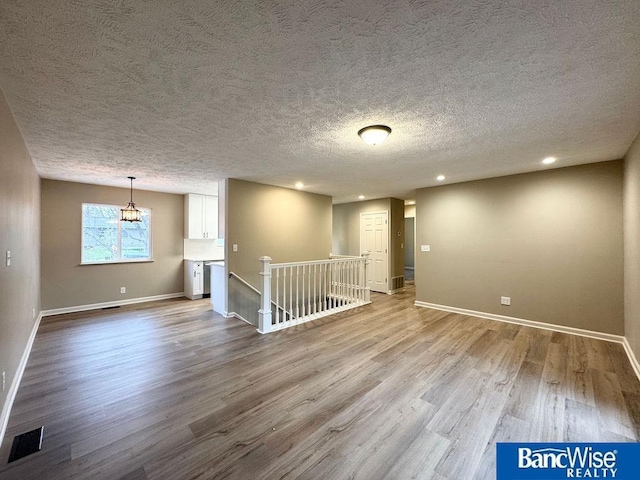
119	262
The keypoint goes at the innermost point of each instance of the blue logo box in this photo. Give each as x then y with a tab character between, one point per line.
555	461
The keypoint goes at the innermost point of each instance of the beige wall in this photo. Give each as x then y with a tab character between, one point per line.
632	247
286	225
550	240
20	234
66	283
346	224
346	229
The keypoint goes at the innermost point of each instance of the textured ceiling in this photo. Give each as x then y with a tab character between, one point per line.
182	94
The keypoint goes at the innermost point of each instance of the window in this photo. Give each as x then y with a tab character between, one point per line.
105	239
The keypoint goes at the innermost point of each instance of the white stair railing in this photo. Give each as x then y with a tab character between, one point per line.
300	292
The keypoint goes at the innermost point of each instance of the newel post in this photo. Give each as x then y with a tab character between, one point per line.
264	314
367	290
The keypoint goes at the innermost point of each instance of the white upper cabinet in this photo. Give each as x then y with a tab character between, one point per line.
200	216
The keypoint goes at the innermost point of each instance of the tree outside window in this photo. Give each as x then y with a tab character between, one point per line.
105	239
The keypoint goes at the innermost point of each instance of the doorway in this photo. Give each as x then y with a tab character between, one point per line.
374	238
409	248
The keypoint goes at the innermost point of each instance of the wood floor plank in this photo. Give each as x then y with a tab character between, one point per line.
549	410
613	415
170	390
508	429
581	422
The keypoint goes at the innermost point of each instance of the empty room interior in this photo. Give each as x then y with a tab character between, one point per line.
319	240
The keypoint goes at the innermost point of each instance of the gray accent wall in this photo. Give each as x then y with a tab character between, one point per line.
284	224
346	229
66	283
19	234
632	247
551	240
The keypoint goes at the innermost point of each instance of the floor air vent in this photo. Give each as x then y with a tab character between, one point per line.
26	444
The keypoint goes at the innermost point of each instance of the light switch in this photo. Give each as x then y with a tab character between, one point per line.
425	248
8	258
235	247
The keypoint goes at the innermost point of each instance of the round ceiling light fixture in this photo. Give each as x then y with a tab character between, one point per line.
374	134
549	160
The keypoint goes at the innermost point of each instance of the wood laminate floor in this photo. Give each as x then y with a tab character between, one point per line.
171	390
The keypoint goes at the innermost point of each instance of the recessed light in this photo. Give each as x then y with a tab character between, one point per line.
299	185
440	178
549	160
361	197
374	134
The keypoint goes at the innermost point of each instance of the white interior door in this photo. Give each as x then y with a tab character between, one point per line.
374	238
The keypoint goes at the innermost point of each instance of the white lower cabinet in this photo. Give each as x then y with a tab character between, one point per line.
193	279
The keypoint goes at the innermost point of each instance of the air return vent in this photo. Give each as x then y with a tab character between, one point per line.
397	283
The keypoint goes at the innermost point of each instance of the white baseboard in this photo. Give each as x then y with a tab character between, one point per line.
632	357
115	303
13	389
529	323
238	316
397	290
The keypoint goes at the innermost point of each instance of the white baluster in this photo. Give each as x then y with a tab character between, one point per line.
315	292
277	296
303	298
291	293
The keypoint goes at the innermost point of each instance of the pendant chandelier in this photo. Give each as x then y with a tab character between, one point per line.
130	213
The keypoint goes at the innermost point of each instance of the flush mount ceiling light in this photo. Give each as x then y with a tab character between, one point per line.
549	160
299	185
361	197
130	213
374	134
440	178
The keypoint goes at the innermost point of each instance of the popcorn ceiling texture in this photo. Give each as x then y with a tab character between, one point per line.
183	94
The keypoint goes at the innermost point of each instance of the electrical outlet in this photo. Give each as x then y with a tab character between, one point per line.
123	289
505	301
4	376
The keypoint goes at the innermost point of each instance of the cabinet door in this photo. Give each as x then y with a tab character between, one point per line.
210	217
198	278
193	279
195	216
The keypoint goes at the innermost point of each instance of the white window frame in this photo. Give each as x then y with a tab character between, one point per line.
120	259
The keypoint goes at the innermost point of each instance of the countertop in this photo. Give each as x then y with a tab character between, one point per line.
208	259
